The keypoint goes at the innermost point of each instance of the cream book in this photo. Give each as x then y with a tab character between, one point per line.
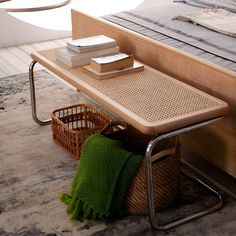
91	43
106	75
118	61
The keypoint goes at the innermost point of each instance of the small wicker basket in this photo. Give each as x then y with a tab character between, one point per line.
72	125
166	172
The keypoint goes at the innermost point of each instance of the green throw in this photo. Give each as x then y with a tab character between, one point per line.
101	181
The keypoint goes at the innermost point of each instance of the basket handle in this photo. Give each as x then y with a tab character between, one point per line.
167	152
115	123
123	125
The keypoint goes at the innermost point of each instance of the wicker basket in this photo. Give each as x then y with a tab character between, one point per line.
71	126
166	172
165	184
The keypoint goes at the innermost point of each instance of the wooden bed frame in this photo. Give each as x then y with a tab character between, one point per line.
217	143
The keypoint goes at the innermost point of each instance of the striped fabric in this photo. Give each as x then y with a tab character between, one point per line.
219	20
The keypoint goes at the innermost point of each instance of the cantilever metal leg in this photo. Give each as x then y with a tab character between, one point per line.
150	194
32	95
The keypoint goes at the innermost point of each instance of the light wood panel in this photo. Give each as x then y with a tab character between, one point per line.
190	69
27	48
7	68
15	60
20	54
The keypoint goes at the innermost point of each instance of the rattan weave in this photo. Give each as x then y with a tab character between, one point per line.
71	126
166	174
165	97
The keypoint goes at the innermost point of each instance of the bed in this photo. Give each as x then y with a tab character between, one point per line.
140	32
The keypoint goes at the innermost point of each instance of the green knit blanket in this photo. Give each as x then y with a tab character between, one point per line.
101	181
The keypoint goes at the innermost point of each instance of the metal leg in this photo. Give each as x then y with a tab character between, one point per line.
32	95
150	194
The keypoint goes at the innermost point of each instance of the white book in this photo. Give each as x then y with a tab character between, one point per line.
75	56
70	63
111	58
91	43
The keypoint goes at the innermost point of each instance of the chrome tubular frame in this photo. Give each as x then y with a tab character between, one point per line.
32	95
150	194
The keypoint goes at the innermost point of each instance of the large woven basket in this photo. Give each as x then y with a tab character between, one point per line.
165	185
166	172
72	125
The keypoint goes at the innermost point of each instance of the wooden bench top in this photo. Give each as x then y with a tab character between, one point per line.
149	100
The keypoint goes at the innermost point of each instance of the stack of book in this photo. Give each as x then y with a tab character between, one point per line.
113	65
80	51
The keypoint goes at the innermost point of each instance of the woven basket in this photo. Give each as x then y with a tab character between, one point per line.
166	172
72	125
165	185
